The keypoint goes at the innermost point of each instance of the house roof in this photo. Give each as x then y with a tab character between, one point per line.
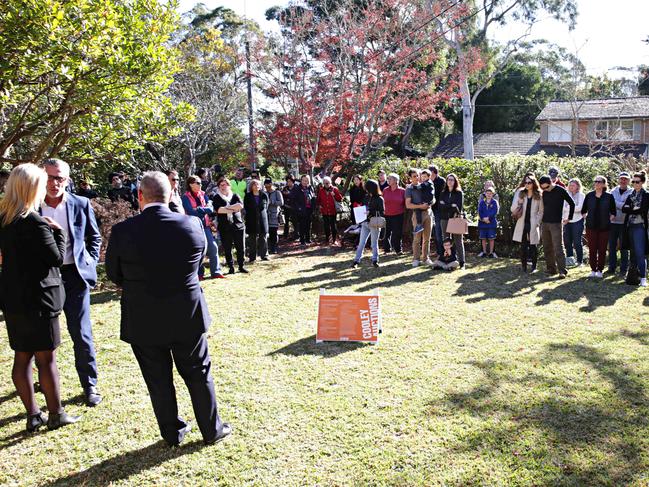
492	143
631	107
634	150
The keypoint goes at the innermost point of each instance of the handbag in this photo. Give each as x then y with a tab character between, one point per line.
338	205
518	212
457	226
377	222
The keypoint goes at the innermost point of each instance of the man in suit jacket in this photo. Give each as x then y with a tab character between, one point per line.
79	271
154	257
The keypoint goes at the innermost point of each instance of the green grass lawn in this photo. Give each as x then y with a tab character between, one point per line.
482	377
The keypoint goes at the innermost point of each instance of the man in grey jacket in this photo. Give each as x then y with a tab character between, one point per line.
620	194
275	203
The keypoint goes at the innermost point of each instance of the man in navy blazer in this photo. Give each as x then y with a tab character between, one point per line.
79	271
154	257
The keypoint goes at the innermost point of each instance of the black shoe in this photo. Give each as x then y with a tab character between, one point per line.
562	275
35	421
264	258
62	419
355	265
225	431
231	271
93	398
243	270
181	434
399	252
375	264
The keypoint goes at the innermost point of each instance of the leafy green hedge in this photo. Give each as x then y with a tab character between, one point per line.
507	171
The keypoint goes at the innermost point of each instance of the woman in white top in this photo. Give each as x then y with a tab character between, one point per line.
574	230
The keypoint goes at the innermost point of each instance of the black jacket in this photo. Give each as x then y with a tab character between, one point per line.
375	206
601	214
299	199
256	215
438	184
31	256
447	200
357	195
227	223
628	209
154	257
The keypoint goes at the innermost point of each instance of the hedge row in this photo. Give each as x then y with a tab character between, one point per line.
507	171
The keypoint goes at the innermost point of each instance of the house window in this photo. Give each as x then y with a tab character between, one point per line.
618	130
560	132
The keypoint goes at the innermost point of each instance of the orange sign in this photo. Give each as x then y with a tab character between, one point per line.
353	318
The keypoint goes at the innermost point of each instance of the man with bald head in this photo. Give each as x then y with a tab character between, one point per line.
154	257
79	271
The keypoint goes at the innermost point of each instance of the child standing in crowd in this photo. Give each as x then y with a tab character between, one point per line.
427	196
487	211
448	260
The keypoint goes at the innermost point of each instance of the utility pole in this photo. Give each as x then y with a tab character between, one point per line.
252	152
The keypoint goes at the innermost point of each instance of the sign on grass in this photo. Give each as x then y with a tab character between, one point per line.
351	317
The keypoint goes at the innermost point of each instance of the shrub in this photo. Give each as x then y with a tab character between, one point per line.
109	213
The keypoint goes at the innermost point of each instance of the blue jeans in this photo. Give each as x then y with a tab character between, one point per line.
438	232
572	235
77	316
637	241
367	232
614	236
212	254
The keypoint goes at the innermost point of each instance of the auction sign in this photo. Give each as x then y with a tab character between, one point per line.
348	318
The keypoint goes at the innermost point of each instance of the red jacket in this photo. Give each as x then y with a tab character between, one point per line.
326	200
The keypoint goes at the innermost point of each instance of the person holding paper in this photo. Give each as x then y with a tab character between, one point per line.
375	208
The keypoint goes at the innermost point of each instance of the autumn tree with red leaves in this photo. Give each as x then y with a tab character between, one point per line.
346	77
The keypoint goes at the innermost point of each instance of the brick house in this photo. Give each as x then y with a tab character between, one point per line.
599	128
617	126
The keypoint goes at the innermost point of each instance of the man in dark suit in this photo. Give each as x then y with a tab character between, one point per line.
79	271
154	257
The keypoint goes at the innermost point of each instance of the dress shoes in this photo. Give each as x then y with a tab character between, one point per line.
62	419
225	431
92	397
181	435
35	421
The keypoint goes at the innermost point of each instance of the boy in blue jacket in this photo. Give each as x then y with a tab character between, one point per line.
487	224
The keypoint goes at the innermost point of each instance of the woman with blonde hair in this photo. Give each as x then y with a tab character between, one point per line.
573	231
31	292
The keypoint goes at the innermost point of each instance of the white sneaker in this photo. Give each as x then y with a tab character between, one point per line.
599	275
643	282
481	254
494	255
428	262
570	261
593	275
415	263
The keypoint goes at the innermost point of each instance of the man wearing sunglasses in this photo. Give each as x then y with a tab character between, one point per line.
552	226
175	203
636	209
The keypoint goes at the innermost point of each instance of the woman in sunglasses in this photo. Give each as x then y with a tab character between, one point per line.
636	208
599	210
527	208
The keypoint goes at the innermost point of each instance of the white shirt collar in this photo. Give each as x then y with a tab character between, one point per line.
149	205
65	197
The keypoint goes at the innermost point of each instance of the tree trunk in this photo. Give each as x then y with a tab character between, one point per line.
467	118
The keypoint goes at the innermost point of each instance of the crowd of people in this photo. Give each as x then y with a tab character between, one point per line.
50	242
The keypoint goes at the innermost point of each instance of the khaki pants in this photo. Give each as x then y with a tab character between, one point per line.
421	240
553	250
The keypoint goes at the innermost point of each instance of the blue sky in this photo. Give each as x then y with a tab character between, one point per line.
609	33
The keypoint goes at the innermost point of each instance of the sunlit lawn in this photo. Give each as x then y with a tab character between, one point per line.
482	377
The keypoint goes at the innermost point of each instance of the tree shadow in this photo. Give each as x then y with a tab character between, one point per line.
308	346
102	297
8	397
599	294
556	429
127	464
499	281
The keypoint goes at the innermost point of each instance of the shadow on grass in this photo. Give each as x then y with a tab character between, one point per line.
123	466
597	293
308	346
102	297
8	397
556	430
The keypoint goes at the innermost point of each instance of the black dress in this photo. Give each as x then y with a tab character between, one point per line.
31	289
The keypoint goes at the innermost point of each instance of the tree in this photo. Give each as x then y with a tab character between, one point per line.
85	79
211	82
345	76
469	41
